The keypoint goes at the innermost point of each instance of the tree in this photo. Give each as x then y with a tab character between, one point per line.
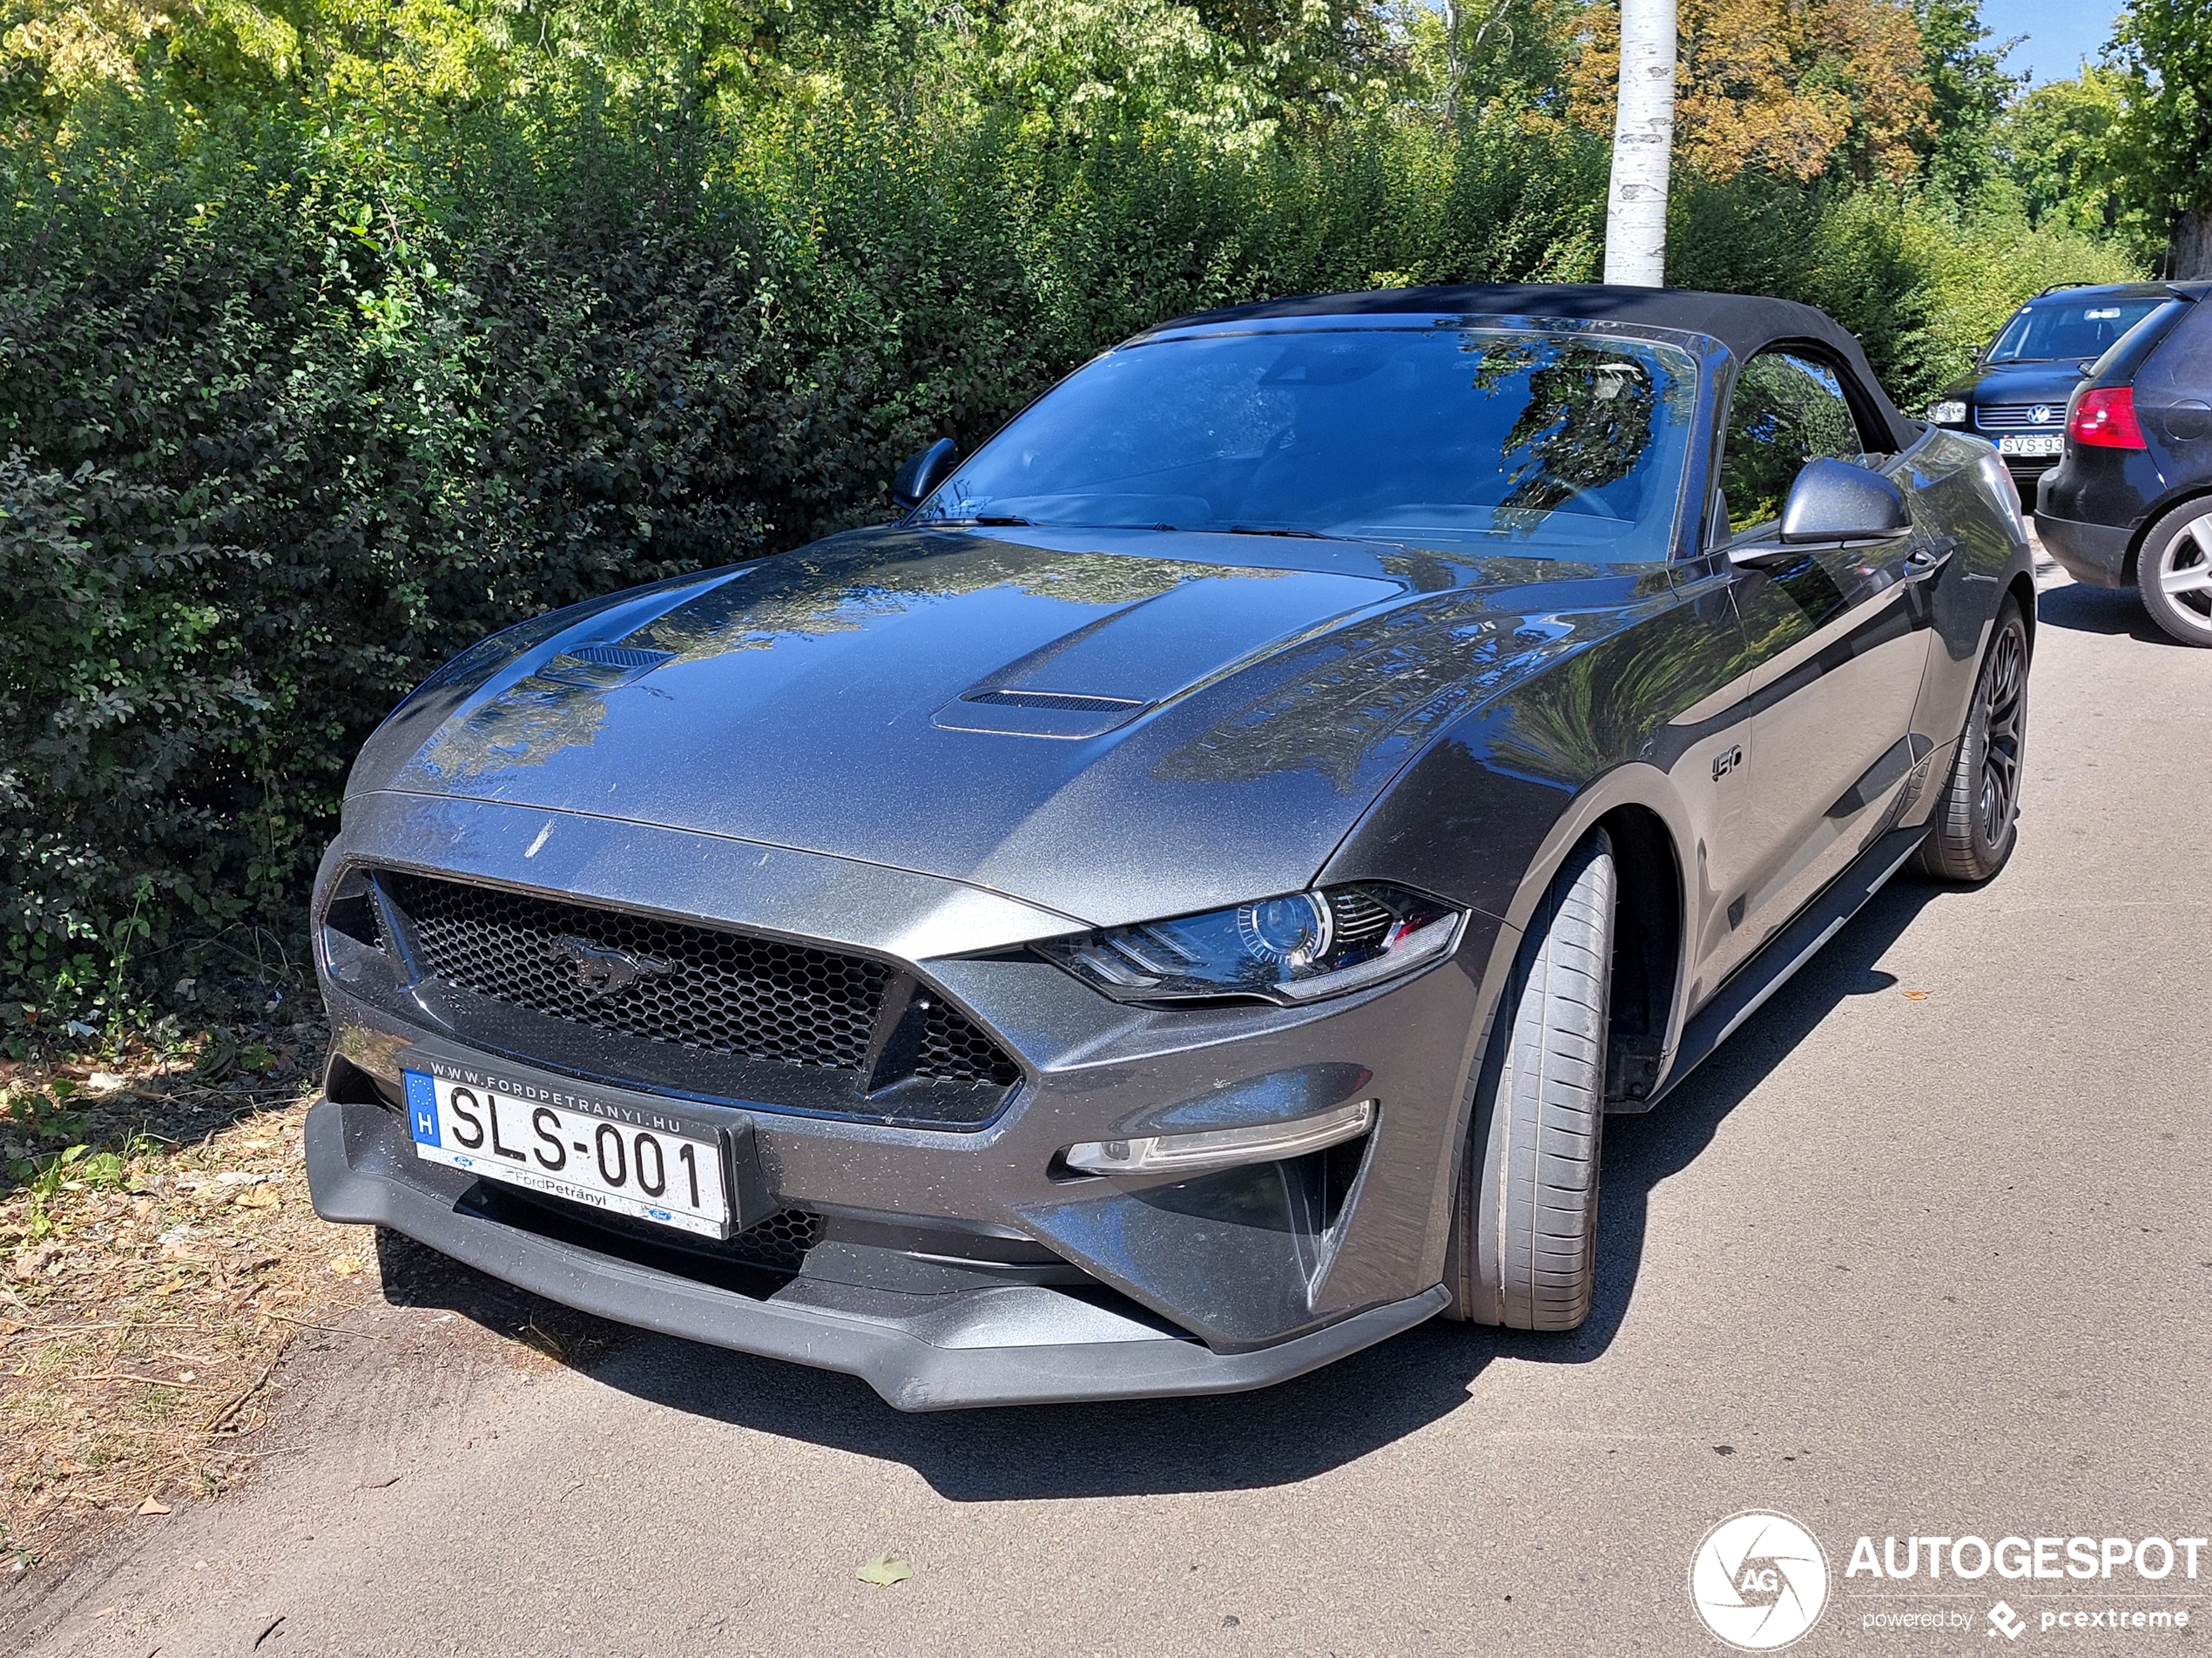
2162	49
2059	145
1643	144
1795	87
1968	93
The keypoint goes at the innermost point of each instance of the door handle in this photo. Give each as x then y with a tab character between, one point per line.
1924	561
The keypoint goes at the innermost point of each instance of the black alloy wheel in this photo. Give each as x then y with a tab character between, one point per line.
2003	716
1977	823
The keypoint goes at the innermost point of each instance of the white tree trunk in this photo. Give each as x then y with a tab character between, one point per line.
1643	146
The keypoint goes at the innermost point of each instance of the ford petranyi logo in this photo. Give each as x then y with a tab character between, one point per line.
2040	414
602	972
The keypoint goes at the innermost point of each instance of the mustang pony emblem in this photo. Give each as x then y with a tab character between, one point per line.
602	972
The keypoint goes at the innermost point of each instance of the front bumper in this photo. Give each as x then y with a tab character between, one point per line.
953	1266
999	1344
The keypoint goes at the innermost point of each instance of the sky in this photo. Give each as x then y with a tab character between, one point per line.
2061	33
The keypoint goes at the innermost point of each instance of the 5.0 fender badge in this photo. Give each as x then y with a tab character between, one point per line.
1727	760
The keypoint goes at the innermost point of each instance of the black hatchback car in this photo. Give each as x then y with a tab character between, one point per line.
2016	393
2131	503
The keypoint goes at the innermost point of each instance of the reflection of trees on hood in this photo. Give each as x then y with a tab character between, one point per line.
1371	691
796	595
793	597
1377	690
525	724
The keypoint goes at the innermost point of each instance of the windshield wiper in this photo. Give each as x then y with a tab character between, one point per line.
999	522
1256	530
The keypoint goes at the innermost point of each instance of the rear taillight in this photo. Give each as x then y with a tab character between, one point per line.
2103	417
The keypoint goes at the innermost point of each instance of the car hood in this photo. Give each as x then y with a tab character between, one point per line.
1114	724
2027	382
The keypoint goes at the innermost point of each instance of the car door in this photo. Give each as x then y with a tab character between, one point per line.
1838	637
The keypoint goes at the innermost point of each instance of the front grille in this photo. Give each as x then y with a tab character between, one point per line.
2020	417
673	983
720	991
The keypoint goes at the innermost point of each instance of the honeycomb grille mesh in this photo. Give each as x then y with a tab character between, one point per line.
779	1243
952	1049
668	981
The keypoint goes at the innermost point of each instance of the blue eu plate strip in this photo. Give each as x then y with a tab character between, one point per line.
422	1107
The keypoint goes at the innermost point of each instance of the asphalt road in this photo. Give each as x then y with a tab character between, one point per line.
1926	1251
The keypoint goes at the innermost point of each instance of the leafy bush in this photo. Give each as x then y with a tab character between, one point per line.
293	407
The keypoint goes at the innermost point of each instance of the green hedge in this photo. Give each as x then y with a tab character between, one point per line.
290	412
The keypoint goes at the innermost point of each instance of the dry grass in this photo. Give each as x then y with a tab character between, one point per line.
157	1257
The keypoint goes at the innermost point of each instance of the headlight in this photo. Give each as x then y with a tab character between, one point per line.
1950	412
1293	948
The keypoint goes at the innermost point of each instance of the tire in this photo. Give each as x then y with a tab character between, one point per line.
1523	1252
2173	573
1976	825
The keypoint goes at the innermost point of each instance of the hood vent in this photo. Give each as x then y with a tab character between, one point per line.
602	667
1066	701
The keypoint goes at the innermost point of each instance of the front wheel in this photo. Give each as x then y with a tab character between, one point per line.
2173	573
1524	1229
1977	822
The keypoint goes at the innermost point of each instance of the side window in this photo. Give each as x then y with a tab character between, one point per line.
1787	411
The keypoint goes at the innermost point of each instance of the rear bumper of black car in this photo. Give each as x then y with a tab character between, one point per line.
993	1345
2096	554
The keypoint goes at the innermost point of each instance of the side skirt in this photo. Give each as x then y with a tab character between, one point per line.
1748	988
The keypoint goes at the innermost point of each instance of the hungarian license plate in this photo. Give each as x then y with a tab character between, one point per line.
2052	444
649	1169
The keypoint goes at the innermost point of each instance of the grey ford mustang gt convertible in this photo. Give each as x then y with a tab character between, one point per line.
1176	906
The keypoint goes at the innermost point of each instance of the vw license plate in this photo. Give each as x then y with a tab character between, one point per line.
649	1172
2052	444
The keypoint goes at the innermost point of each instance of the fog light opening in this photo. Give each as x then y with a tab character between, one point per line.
1222	1147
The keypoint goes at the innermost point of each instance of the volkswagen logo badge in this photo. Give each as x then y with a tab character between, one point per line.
602	972
2040	414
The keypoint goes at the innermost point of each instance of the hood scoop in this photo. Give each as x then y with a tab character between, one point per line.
1104	675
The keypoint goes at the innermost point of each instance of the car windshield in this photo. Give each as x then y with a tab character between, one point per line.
2081	326
1556	438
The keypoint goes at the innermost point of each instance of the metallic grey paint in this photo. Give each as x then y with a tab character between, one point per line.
1236	717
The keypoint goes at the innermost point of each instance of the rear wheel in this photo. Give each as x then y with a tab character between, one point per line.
2173	573
1977	823
1524	1231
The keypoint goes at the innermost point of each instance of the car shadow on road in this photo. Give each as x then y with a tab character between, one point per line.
2083	609
1285	1435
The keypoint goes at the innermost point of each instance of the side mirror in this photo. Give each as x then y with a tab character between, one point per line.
923	471
1835	501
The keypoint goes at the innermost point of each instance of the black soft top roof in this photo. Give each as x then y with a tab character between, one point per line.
1745	323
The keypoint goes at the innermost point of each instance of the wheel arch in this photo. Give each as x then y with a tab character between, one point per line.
1634	805
2130	567
2023	592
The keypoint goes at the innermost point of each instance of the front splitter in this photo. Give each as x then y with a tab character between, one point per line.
1003	1345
